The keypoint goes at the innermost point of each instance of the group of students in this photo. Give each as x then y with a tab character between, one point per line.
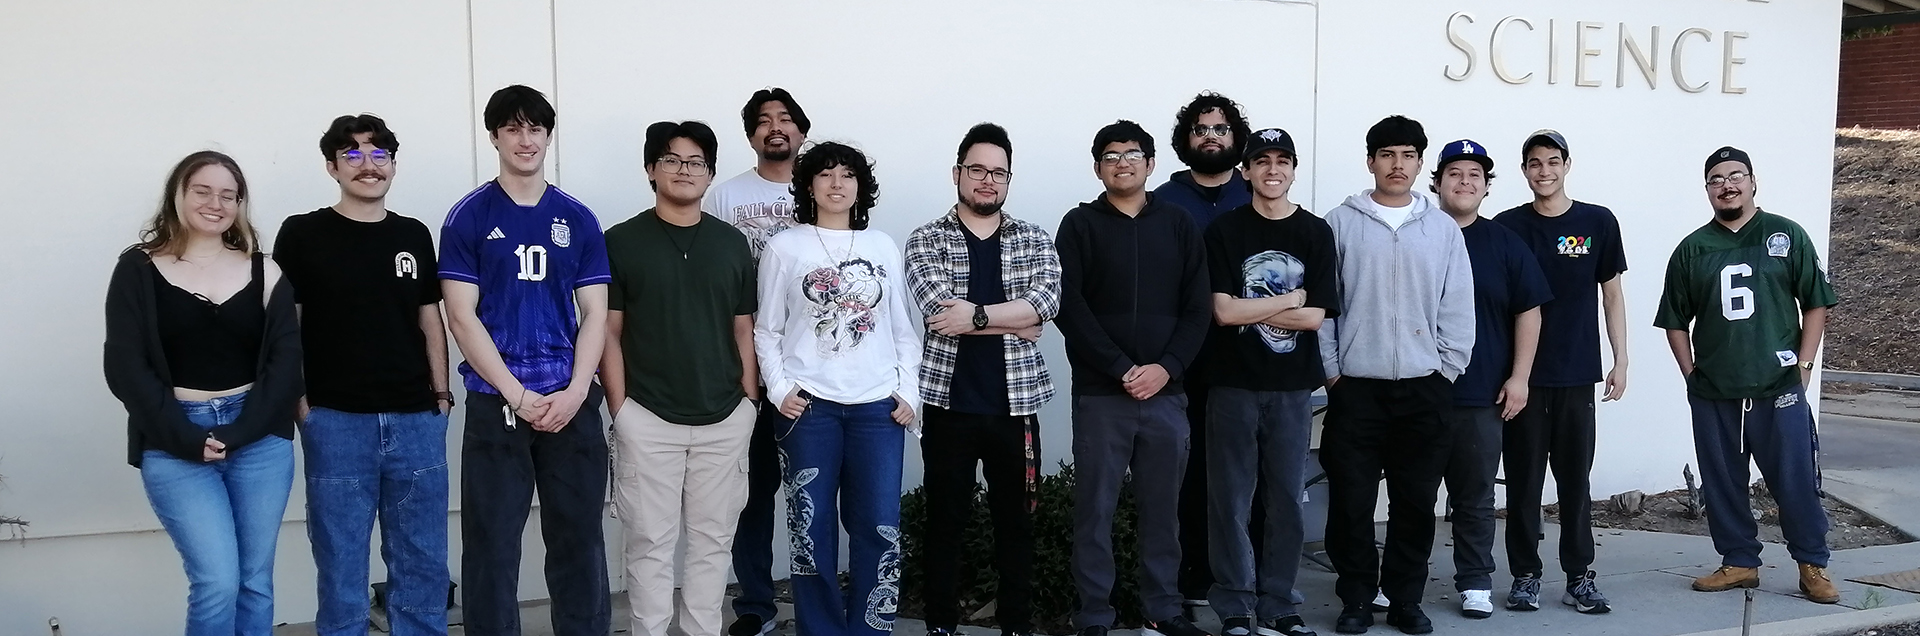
759	333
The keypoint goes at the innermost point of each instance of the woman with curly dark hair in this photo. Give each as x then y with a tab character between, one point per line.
839	349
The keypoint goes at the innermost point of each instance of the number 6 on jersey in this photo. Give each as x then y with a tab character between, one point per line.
1736	303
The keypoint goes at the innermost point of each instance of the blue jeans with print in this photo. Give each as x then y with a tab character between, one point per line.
843	460
224	518
387	465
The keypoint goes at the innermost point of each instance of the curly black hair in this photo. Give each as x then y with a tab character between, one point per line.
826	156
1202	104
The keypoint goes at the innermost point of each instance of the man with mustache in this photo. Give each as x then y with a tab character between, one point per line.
375	414
1508	291
759	203
986	282
1208	136
1134	311
1404	334
1271	264
1744	306
1579	248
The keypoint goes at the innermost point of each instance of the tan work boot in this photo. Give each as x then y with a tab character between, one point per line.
1814	584
1727	578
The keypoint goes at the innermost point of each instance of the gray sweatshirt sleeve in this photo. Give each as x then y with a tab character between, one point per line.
1455	325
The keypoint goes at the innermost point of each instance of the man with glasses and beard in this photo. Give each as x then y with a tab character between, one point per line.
986	282
759	203
1744	306
1209	134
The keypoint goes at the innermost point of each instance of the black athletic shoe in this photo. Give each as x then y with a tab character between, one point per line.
940	631
1585	597
1094	630
1176	626
750	625
1237	626
1289	625
1354	619
1410	620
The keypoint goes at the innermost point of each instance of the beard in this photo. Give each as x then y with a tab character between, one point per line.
777	155
982	208
1729	214
1212	161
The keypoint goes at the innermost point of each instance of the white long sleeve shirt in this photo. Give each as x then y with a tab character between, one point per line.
836	317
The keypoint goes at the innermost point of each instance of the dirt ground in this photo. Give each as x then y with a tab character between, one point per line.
1667	512
1875	251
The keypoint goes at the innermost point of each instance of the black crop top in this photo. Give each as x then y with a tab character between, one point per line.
211	347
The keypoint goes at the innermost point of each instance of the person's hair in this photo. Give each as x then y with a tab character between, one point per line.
826	156
984	133
1396	131
1435	186
1120	132
660	136
1202	104
340	133
166	233
518	103
1541	141
750	114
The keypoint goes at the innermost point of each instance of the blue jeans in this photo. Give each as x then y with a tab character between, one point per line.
389	465
224	518
844	460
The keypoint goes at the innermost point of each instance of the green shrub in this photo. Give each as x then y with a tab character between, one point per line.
1054	598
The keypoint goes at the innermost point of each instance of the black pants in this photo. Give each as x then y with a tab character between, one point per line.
1471	471
952	444
500	469
1555	430
1399	428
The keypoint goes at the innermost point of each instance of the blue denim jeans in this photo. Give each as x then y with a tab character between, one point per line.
387	465
224	518
843	460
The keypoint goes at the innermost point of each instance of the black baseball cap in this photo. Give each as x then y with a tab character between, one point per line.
1726	154
1546	137
1270	139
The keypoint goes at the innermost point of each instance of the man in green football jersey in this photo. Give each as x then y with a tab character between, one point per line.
1744	307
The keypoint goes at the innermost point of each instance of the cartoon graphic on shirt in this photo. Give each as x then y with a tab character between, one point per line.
884	601
844	300
1268	274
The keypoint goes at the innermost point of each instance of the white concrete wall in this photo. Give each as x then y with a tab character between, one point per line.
104	97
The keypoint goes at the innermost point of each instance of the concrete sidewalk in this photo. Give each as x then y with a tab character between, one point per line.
1645	574
1868	443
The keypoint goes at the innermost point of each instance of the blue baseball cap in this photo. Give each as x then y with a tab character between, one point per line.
1466	149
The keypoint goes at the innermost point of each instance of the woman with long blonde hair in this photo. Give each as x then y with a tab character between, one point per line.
203	348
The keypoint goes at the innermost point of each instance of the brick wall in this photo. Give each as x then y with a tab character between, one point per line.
1880	77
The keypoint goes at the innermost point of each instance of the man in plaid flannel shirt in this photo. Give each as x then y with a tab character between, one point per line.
986	282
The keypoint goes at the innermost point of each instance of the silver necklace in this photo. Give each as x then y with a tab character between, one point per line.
819	235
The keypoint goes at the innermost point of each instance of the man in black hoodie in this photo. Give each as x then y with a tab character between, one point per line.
1134	311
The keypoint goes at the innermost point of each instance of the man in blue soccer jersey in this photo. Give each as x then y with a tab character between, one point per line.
518	259
1744	306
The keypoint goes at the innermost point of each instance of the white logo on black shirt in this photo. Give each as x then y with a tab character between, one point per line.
405	267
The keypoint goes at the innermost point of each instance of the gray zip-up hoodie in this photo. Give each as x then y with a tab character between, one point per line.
1406	294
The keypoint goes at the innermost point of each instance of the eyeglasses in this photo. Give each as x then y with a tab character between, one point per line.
694	167
204	195
379	157
978	172
1216	130
1737	178
1115	158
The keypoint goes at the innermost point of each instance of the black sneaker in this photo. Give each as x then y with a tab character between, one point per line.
1237	626
1584	596
1525	596
1354	619
1094	630
750	625
1410	620
1289	625
1176	626
939	631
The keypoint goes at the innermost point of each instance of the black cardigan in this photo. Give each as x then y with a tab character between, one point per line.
137	372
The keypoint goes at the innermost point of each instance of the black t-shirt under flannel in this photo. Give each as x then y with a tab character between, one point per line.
980	365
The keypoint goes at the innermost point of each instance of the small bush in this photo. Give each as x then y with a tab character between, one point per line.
1054	598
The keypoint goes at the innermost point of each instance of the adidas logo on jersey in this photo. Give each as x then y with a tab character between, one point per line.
496	234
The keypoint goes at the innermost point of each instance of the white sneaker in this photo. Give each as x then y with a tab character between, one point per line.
1476	603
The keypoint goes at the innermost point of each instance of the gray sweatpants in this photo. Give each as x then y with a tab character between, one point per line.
1255	438
1112	434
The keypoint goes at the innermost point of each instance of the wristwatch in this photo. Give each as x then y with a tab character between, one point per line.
443	395
979	317
1807	364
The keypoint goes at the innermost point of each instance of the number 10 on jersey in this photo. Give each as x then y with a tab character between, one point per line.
533	262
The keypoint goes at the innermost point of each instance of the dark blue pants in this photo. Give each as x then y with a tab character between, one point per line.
1471	470
500	470
753	539
1778	434
843	466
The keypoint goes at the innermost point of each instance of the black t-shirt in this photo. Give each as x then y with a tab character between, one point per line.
1578	251
1210	193
1251	256
980	364
1506	283
360	287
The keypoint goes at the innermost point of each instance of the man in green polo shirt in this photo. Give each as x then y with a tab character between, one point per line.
1744	307
680	378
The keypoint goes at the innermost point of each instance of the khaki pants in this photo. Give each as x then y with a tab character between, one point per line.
665	472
